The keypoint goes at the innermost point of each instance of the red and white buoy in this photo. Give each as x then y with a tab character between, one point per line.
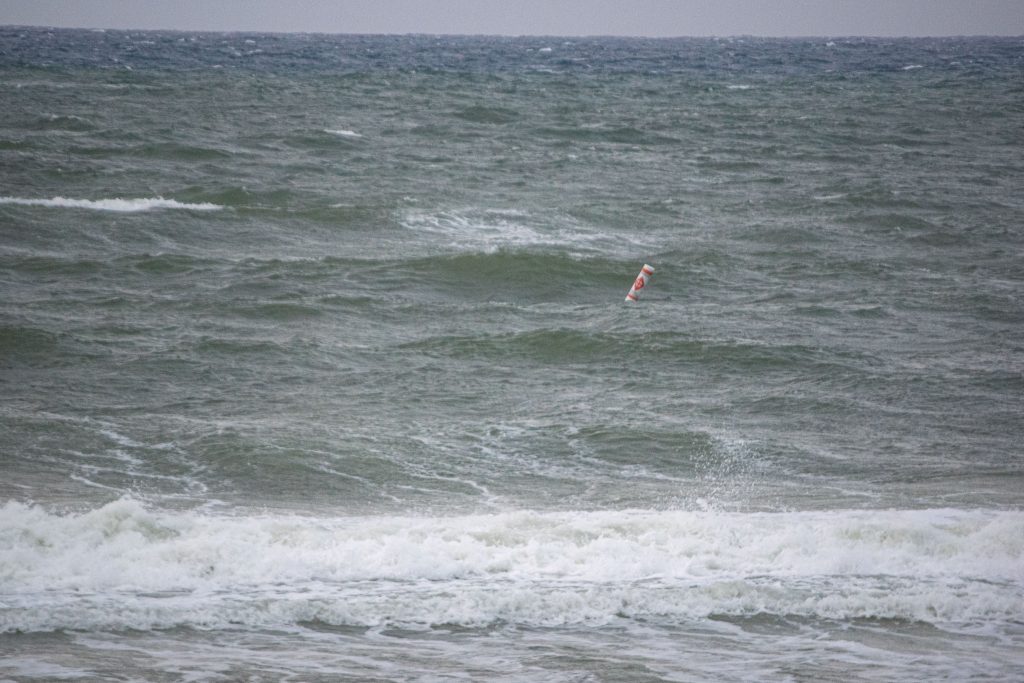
641	281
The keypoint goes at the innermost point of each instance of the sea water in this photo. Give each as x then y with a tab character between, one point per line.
315	365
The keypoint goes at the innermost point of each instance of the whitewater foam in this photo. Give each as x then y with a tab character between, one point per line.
126	566
343	133
495	229
116	204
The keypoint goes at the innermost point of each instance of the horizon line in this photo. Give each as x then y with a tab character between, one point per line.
808	36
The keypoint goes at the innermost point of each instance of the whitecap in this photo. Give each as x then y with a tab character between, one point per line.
343	133
117	204
494	229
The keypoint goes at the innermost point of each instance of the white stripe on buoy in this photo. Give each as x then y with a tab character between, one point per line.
641	281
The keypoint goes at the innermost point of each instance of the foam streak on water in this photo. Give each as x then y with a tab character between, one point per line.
118	204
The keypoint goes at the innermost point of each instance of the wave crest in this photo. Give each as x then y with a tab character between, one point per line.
126	566
115	204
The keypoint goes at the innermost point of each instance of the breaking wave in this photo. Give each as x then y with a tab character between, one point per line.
116	204
126	566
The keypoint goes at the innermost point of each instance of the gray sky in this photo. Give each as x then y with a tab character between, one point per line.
537	17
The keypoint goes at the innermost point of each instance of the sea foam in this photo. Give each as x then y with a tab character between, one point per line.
127	566
491	230
343	133
117	204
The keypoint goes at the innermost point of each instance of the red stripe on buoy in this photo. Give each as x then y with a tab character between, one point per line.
640	282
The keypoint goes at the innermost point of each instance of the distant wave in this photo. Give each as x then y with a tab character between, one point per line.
117	204
343	133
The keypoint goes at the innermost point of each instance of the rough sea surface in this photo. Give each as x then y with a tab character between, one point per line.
315	363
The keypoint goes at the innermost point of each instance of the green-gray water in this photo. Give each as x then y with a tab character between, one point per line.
315	364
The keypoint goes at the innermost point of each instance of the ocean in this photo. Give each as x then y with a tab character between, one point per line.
315	363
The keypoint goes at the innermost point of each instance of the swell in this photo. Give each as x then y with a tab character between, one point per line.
553	346
144	264
26	343
517	270
622	135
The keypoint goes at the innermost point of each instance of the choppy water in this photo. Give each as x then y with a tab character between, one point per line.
315	365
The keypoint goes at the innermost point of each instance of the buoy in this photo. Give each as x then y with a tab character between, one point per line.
641	281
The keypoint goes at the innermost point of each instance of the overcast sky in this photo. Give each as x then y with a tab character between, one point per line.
537	17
